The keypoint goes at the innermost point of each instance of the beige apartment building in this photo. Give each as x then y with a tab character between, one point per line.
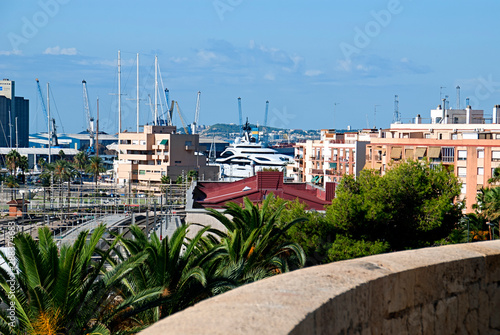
465	140
331	157
159	151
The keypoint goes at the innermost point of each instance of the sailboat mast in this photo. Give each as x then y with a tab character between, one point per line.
49	133
97	131
156	91
119	94
137	92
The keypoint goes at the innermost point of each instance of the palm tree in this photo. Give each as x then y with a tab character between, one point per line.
80	162
12	161
192	175
180	267
62	155
489	203
495	178
66	291
251	247
24	166
11	183
63	172
95	168
45	177
42	162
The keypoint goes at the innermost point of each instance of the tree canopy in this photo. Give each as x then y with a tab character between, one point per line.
413	204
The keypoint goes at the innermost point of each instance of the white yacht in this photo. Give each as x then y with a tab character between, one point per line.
245	157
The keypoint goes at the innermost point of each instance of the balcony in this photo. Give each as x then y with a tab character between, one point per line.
316	171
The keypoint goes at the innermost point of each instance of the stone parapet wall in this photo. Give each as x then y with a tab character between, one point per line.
442	290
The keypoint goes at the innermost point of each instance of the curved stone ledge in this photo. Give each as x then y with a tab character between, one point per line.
443	290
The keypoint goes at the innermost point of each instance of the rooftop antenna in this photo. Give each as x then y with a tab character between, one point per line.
458	97
441	93
375	116
447	102
334	110
397	117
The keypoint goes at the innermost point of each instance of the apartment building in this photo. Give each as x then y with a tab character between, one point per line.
467	140
14	117
333	156
159	151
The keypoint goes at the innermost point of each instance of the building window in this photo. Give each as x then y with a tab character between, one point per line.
462	172
178	162
448	154
480	153
142	172
427	136
454	136
135	142
189	143
495	156
464	188
142	142
462	155
480	171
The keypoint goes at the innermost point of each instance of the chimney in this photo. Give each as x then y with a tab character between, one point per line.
417	119
467	114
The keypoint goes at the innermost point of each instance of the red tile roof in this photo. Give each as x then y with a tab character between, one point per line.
217	194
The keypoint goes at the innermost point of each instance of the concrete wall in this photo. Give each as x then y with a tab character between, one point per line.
442	290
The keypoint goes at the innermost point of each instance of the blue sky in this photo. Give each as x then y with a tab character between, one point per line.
301	56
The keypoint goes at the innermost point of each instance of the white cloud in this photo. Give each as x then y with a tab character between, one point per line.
313	73
178	59
206	56
344	65
270	76
106	62
10	53
57	50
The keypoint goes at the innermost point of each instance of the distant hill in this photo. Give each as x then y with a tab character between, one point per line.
222	128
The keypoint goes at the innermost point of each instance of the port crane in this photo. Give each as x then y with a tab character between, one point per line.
180	116
90	119
171	110
194	125
51	122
